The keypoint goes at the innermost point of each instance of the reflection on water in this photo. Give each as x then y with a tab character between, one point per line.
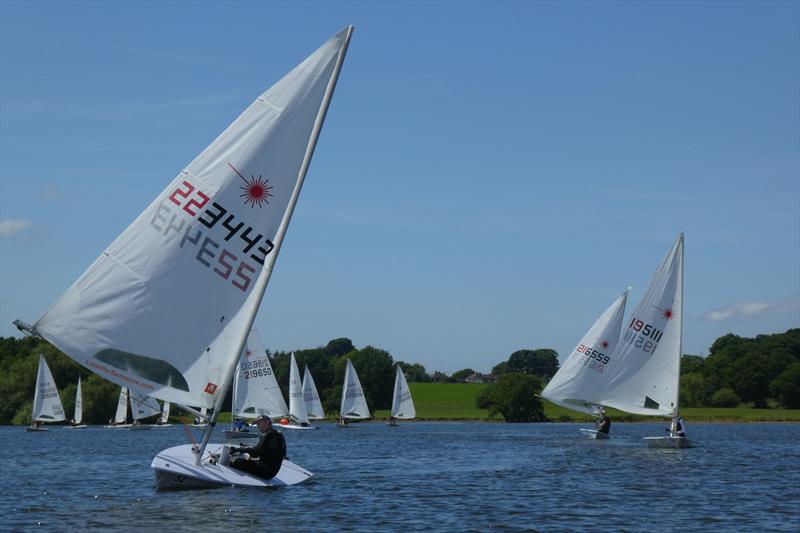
421	476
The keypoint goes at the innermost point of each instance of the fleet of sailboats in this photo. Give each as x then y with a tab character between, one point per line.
633	366
255	390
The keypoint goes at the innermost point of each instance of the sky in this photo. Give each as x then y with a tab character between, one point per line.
490	176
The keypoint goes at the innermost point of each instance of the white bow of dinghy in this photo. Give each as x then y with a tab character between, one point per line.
175	468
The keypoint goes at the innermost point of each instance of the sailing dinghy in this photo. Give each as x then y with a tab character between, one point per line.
311	397
354	404
121	416
167	307
402	403
46	403
255	390
298	416
143	407
163	420
580	382
75	423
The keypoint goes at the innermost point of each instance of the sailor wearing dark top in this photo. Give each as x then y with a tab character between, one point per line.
603	423
270	451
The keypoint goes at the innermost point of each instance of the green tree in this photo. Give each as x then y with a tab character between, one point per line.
692	364
415	373
725	397
514	396
461	374
694	390
542	363
786	387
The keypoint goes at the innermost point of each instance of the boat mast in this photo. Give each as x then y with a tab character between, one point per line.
680	336
265	274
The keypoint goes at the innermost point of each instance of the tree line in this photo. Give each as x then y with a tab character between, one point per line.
761	371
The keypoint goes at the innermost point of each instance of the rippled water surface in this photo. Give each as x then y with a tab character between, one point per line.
421	476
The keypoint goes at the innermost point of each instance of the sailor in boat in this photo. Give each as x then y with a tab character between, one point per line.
269	452
238	425
603	422
677	428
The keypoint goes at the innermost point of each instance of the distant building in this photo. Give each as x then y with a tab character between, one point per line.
477	377
439	377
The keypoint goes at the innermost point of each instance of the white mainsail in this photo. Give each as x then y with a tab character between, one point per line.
78	405
122	407
256	391
581	382
311	397
143	406
297	407
644	370
46	402
148	313
354	404
402	403
164	413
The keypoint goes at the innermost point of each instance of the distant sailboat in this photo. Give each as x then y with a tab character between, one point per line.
255	390
298	416
311	397
354	404
121	416
46	402
143	407
402	403
202	420
78	418
159	306
580	383
163	420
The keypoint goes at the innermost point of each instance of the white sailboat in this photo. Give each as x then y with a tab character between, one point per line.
163	420
311	397
166	309
143	407
255	390
298	416
354	404
78	418
580	382
402	403
121	416
202	420
46	402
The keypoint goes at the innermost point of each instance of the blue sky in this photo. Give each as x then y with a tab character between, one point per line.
490	175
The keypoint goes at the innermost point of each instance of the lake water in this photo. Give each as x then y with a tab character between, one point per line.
421	476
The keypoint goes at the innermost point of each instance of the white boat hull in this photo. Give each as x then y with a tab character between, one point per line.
294	426
118	426
139	427
82	426
668	442
32	429
594	434
175	468
160	426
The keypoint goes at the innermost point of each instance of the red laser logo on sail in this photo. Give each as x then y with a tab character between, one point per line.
256	189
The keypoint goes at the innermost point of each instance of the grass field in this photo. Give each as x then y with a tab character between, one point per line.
456	401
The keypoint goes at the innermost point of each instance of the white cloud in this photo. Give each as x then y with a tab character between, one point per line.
750	309
10	226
